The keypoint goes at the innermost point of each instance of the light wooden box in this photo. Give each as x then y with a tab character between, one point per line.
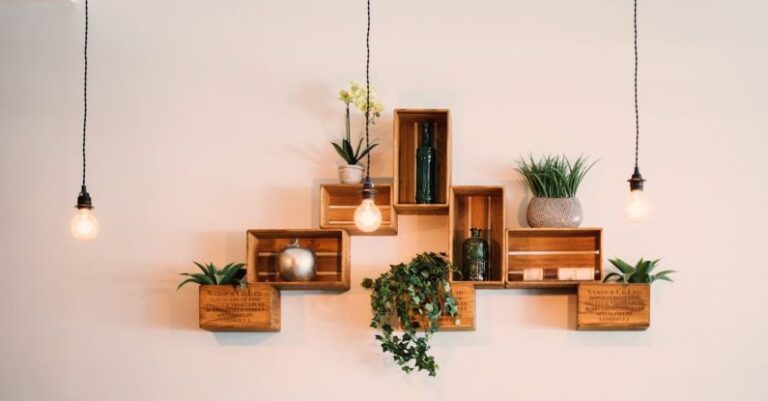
465	299
407	137
552	249
479	207
339	201
614	306
331	248
232	308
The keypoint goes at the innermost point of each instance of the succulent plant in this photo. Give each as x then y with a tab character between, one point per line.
233	273
639	273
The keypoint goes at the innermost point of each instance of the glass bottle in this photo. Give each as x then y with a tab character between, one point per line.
475	263
425	166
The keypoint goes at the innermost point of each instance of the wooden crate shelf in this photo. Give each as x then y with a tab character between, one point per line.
465	300
330	246
407	125
339	201
613	306
231	308
479	207
552	249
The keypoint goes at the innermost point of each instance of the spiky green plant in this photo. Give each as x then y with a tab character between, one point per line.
233	273
641	272
554	176
352	156
419	288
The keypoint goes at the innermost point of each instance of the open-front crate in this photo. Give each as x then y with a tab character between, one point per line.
331	249
552	250
478	207
232	308
614	306
339	201
464	293
407	139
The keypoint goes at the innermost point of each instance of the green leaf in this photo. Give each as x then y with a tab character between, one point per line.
231	272
612	275
623	266
189	280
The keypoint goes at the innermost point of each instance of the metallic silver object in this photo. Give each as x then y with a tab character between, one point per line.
295	263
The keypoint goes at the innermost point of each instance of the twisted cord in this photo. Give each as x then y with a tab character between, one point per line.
85	87
637	110
368	90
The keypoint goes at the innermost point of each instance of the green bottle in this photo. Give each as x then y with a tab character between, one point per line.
475	263
425	166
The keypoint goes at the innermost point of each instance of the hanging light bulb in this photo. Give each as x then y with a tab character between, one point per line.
84	225
368	215
637	209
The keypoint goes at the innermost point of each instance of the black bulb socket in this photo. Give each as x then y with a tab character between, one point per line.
84	199
369	192
637	182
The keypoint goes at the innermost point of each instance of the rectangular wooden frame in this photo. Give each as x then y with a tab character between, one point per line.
331	248
481	207
406	141
339	201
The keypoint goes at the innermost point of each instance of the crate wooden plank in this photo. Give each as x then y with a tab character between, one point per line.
339	201
331	247
479	207
465	300
552	249
609	306
407	124
231	308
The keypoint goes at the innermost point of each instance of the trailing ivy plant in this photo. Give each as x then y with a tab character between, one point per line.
415	295
231	274
641	272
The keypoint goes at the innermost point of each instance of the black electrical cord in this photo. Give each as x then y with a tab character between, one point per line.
636	182
368	188
84	198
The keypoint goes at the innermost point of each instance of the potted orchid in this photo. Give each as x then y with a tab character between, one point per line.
350	171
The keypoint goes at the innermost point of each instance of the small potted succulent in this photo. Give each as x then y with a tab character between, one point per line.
554	181
623	300
350	171
640	273
415	294
231	274
226	303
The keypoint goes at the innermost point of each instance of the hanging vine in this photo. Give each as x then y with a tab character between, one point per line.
414	295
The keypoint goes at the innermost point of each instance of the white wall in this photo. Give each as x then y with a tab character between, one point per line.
209	118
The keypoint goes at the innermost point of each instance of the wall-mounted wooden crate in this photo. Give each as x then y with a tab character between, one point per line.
553	249
465	298
331	248
479	207
232	308
613	306
339	201
407	138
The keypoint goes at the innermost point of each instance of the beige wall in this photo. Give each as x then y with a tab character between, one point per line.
209	118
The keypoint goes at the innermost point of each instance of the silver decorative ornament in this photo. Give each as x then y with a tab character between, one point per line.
296	263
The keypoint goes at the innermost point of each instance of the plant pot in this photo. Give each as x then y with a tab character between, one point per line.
613	306
232	308
554	212
351	174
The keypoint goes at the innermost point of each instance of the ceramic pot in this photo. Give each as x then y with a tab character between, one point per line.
295	263
554	212
351	174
